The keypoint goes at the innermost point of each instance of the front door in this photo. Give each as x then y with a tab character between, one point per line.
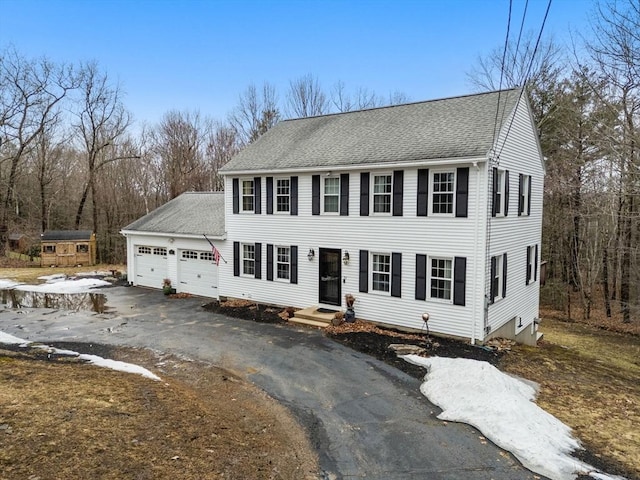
330	276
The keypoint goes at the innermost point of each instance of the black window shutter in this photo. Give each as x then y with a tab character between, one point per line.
459	280
364	271
258	261
398	185
535	265
294	264
269	262
462	191
520	194
236	195
421	277
344	194
528	269
423	193
529	197
492	292
257	202
315	195
294	195
504	275
364	194
396	274
269	195
236	259
506	193
494	199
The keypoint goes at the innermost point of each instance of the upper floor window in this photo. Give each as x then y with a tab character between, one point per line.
283	195
248	259
331	195
283	263
524	198
247	196
381	272
443	190
500	200
440	278
382	188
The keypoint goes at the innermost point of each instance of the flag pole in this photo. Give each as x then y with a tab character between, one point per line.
214	247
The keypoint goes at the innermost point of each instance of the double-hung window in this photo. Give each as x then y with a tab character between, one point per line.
443	192
532	264
440	278
331	195
283	263
248	259
499	196
524	200
247	196
498	277
381	272
382	188
283	195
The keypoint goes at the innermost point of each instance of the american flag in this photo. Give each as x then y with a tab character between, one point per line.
216	255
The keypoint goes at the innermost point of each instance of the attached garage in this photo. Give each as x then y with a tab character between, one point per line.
175	241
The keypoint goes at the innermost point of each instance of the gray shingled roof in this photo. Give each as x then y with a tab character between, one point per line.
53	235
192	213
459	127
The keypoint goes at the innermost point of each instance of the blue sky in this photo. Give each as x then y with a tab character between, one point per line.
201	54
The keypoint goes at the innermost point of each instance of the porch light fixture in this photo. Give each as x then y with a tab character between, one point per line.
345	258
311	254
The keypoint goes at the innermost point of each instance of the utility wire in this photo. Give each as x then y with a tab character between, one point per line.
504	55
535	50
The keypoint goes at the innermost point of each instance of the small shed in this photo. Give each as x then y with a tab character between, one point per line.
19	242
68	247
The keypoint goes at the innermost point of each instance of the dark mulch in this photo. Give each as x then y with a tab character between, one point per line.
247	310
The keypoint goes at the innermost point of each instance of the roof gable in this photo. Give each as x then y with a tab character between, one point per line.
192	213
459	127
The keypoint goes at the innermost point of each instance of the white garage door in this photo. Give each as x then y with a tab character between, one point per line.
198	273
151	266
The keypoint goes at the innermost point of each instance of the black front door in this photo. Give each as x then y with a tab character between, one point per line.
330	276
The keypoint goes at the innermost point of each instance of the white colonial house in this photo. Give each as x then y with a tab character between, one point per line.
431	207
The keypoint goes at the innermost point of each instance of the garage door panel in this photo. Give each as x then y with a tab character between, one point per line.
198	273
151	266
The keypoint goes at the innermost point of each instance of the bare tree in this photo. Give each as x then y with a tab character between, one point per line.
221	147
306	98
101	120
30	97
255	113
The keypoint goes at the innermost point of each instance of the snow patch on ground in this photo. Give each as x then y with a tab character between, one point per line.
92	359
503	409
82	285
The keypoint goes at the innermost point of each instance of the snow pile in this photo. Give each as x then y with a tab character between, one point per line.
502	408
82	285
6	284
93	359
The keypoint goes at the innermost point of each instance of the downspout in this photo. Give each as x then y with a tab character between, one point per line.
476	255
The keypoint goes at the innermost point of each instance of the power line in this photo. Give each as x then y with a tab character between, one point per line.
504	55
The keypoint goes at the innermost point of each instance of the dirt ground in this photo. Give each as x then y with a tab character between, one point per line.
60	419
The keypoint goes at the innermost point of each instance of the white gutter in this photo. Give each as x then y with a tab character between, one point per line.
363	166
197	236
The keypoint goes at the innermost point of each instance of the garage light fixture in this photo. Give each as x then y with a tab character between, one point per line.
311	254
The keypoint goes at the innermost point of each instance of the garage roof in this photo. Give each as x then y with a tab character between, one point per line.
192	213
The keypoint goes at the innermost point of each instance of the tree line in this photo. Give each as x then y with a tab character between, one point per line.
70	157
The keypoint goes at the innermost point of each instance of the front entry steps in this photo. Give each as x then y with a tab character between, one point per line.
311	316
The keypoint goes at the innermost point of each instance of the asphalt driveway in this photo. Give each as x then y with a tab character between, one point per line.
366	419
